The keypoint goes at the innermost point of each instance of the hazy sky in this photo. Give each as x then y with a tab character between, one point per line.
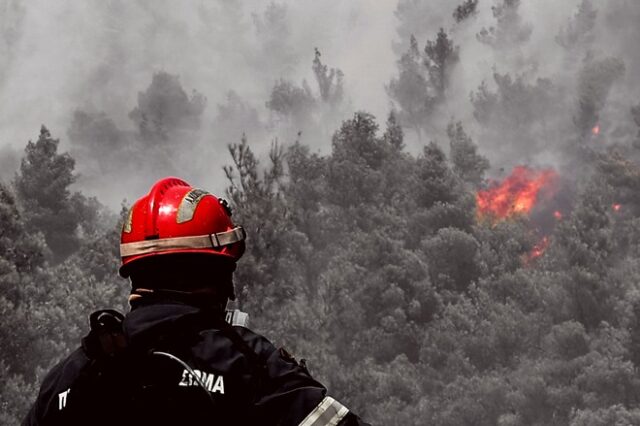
69	54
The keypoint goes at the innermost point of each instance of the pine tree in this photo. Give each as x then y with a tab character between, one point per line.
21	257
291	102
505	114
465	10
394	135
257	199
467	163
164	108
42	186
418	18
410	90
509	31
595	82
329	81
435	180
451	258
357	156
440	57
423	79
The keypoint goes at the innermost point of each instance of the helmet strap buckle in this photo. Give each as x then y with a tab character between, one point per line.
215	242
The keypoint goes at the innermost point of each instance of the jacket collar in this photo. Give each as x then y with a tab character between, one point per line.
152	318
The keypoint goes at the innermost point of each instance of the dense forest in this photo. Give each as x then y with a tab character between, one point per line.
471	258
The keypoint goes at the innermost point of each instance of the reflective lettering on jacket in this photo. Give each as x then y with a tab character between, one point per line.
62	399
213	383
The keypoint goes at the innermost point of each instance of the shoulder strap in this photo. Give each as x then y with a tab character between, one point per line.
106	339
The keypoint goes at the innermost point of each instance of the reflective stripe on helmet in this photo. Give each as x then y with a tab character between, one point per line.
216	240
328	413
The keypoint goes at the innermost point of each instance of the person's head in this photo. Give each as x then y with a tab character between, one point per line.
180	239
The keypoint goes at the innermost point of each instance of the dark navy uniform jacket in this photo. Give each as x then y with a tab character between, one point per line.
229	387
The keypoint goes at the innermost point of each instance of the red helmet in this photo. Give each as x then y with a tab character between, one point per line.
174	217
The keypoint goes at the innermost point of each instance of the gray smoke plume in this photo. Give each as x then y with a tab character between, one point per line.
138	90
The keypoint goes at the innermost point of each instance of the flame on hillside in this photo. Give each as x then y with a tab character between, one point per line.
537	250
516	194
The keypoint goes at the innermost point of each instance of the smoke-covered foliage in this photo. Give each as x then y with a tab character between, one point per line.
465	10
578	32
423	79
509	30
370	252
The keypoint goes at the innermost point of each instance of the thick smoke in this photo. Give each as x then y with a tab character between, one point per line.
530	80
64	60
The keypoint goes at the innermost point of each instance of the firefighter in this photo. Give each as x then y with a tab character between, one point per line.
178	357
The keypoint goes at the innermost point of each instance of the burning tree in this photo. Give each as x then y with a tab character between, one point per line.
516	194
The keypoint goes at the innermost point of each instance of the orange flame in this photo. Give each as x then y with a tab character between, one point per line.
616	207
516	194
557	214
596	130
538	250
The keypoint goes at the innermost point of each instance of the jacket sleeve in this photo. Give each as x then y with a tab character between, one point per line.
288	395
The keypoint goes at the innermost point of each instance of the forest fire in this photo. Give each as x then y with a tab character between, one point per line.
595	131
538	250
616	207
516	194
557	214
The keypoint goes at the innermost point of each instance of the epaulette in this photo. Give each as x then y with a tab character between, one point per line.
236	317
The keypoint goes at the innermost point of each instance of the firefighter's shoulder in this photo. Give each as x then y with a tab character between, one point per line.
56	387
290	384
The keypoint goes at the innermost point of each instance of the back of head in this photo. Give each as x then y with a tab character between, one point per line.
194	277
180	240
